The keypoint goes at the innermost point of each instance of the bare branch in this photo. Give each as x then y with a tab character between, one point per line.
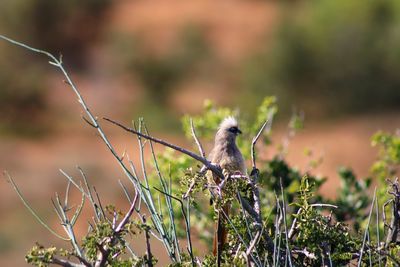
186	218
366	229
200	147
30	209
393	234
254	242
88	122
253	143
127	215
148	247
285	225
208	164
66	263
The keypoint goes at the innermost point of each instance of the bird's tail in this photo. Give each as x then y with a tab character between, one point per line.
221	233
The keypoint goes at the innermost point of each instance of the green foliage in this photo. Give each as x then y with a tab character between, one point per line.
102	237
319	234
41	256
352	198
316	237
389	155
303	235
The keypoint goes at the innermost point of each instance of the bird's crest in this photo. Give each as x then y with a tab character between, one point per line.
228	122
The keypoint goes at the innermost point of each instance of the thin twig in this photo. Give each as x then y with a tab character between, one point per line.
254	242
285	225
240	237
208	164
366	230
94	123
66	263
170	209
253	143
125	220
185	217
196	139
37	217
201	150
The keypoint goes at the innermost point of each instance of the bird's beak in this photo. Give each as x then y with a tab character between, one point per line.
239	131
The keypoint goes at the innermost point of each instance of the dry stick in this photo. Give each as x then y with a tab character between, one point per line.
148	247
253	143
384	215
215	169
125	220
93	120
66	263
208	164
201	150
288	252
40	220
366	230
377	230
89	195
254	242
255	172
254	182
200	147
187	222
278	221
105	248
239	236
394	230
167	199
68	227
156	217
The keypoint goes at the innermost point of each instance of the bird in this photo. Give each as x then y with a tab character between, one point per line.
228	157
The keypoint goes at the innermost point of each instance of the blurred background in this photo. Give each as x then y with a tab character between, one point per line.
335	61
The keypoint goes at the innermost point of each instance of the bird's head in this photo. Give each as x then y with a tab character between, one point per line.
228	129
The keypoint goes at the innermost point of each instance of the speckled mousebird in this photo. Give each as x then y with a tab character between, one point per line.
227	155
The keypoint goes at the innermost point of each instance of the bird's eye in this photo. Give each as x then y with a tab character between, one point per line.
233	129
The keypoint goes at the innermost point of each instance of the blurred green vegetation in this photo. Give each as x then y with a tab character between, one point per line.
342	229
353	197
331	57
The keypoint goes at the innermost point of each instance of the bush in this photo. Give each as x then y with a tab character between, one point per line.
262	228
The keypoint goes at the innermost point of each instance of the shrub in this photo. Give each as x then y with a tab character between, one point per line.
263	230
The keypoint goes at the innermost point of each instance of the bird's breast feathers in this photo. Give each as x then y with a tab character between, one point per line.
233	163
